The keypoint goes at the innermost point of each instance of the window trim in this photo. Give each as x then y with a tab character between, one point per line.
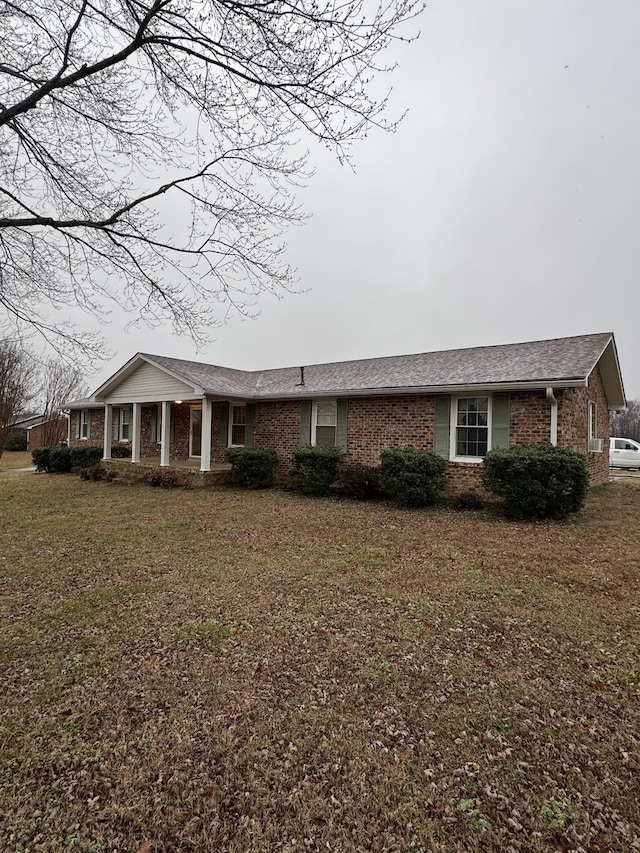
232	406
594	444
117	423
453	427
84	421
314	418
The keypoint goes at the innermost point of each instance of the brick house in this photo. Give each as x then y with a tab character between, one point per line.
458	403
39	430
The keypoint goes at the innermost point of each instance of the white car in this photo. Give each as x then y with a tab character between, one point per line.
624	453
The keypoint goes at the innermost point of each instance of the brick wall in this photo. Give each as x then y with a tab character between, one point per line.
277	427
375	423
572	424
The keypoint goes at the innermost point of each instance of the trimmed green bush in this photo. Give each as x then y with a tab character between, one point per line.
17	442
60	459
86	455
359	482
40	457
537	480
314	469
412	477
252	467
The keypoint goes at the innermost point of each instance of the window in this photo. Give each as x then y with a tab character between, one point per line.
238	425
156	425
156	418
84	424
472	426
121	428
594	444
324	422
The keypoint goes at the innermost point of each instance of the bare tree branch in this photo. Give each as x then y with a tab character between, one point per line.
149	152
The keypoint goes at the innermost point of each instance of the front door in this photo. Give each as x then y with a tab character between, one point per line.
195	432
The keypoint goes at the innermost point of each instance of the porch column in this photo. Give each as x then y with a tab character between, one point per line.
108	430
135	428
165	433
205	438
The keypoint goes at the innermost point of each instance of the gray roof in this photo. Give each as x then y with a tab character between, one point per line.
559	360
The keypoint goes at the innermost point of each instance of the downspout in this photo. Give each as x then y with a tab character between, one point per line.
553	438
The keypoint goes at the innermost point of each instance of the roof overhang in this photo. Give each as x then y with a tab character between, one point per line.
305	393
611	376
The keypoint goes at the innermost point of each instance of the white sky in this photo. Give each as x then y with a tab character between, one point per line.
505	208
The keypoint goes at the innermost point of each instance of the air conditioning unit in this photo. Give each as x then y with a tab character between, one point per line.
595	445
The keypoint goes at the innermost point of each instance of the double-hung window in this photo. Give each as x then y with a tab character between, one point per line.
324	422
121	430
594	444
238	425
472	427
84	427
467	427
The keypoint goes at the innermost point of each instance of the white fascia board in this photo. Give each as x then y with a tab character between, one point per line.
120	374
89	403
429	389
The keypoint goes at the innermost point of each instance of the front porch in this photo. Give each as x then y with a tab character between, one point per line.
187	470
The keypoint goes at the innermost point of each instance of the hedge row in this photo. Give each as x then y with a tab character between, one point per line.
533	480
61	459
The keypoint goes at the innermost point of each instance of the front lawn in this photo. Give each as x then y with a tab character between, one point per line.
241	672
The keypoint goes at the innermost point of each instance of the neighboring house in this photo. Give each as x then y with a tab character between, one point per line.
39	430
458	403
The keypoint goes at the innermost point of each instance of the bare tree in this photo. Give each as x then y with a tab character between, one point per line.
626	424
61	383
148	149
16	385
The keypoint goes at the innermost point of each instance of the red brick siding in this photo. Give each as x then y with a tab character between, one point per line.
277	427
375	423
572	424
530	417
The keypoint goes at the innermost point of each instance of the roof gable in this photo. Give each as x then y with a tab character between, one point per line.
148	383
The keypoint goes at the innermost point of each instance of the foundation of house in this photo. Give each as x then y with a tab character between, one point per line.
186	470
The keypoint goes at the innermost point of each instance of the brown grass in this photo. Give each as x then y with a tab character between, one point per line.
227	671
15	459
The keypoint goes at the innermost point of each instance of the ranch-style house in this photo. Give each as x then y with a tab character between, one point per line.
457	403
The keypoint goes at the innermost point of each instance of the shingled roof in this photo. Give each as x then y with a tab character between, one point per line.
556	362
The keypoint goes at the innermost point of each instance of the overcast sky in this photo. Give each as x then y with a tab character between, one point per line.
505	208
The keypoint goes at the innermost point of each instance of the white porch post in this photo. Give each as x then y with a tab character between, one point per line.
205	439
165	433
135	427
108	428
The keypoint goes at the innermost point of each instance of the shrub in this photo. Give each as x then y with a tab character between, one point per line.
18	441
97	472
314	469
85	456
537	480
252	467
40	457
412	477
468	500
121	451
358	481
164	478
60	459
